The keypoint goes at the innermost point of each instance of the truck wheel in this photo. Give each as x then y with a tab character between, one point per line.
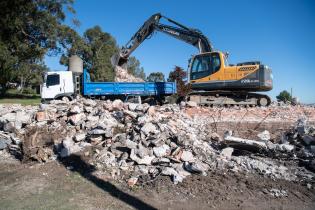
263	101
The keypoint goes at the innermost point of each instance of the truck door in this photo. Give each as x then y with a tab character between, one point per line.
52	86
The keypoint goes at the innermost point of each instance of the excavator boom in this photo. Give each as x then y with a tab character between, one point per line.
191	36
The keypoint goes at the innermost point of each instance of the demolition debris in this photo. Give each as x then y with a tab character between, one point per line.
138	142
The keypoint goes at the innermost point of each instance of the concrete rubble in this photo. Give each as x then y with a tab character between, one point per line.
122	75
139	140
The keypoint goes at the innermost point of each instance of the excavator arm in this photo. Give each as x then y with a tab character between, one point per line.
178	31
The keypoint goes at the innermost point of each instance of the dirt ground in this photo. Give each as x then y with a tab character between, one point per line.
74	184
70	184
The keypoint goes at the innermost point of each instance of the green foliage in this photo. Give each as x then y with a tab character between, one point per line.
95	48
13	96
102	47
133	66
179	75
29	91
7	63
156	77
29	29
29	74
284	96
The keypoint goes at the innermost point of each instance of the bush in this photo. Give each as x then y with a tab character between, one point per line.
284	96
29	90
179	75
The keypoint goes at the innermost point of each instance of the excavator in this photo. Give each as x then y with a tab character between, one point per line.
213	81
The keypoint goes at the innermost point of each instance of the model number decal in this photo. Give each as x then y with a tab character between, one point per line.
248	68
170	31
249	80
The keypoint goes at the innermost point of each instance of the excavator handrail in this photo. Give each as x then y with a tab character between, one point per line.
179	31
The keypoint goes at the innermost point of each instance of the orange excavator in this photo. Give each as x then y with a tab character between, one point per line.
213	80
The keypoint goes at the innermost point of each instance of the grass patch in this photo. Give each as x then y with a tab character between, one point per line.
12	96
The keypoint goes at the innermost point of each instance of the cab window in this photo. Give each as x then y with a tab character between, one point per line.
205	65
201	63
216	62
53	79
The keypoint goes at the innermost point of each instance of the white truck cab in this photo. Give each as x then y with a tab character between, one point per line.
57	84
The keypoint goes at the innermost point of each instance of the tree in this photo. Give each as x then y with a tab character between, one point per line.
156	77
133	66
284	96
29	29
30	74
179	75
95	48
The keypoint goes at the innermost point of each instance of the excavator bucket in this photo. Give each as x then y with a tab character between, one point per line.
117	60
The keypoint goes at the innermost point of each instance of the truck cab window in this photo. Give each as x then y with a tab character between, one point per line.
53	79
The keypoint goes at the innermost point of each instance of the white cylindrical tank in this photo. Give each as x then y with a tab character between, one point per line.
75	64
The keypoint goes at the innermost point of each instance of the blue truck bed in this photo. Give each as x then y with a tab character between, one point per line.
126	88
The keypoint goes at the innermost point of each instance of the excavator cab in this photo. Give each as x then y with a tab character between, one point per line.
210	71
203	65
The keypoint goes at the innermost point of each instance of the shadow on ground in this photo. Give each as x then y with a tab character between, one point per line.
85	169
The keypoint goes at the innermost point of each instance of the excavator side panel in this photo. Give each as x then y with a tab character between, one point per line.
255	80
253	77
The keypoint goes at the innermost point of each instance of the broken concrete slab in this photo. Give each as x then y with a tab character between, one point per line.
117	105
132	181
79	137
149	128
244	144
161	151
264	136
227	152
146	160
187	156
196	167
191	104
75	119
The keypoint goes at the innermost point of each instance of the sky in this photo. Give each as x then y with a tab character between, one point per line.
279	33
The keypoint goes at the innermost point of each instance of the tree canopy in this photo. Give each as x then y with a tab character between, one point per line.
29	30
95	48
179	75
284	96
134	68
156	77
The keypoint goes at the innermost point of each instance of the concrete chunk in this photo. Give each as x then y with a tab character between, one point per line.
245	144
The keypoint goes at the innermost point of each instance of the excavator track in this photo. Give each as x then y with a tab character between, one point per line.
220	98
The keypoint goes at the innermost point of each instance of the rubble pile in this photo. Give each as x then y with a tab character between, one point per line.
122	75
142	141
273	113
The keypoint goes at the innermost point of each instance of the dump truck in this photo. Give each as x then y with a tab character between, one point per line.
212	79
76	81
